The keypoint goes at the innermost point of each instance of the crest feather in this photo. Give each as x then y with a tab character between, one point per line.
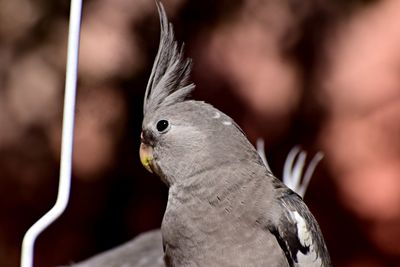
168	82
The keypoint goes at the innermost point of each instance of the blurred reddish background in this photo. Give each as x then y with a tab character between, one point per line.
323	74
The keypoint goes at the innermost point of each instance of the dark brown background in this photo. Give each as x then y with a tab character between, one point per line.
323	74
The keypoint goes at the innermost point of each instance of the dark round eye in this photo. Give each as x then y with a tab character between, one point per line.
162	125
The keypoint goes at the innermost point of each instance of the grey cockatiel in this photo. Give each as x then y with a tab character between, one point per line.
225	208
146	249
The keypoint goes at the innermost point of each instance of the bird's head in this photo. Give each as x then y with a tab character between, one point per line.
182	137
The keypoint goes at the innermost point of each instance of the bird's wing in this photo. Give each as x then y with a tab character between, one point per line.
298	233
143	251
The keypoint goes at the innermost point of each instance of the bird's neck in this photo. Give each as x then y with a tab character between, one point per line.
201	207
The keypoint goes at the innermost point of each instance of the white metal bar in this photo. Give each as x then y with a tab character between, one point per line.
27	251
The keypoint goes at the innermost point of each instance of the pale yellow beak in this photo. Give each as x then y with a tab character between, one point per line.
146	156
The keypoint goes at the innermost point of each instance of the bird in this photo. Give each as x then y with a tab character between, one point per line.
145	250
225	207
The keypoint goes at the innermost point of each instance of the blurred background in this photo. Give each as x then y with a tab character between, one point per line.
324	74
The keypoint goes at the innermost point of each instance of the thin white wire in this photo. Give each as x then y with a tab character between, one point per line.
64	186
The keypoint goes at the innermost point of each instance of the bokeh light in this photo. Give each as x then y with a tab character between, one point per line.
324	74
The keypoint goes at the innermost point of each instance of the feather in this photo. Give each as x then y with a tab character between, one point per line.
168	83
297	233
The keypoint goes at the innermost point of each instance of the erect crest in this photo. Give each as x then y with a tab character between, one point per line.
168	82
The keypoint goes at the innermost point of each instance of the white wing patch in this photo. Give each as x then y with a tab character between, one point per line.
302	231
310	258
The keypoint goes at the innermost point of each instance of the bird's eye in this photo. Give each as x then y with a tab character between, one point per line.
162	126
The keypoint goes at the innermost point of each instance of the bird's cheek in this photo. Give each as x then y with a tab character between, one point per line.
146	156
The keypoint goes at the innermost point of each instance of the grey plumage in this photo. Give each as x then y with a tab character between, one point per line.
225	208
168	82
146	249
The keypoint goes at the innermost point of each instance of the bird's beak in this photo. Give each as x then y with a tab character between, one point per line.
146	156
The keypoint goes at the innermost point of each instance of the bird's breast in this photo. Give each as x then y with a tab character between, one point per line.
206	233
